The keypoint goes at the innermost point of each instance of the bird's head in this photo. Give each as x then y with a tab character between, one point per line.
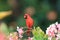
26	16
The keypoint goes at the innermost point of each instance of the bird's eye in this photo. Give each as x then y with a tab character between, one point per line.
25	17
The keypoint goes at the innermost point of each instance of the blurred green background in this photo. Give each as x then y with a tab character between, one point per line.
43	12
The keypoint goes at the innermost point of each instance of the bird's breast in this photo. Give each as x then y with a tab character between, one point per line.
29	23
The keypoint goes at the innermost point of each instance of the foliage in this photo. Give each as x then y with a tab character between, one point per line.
38	34
4	29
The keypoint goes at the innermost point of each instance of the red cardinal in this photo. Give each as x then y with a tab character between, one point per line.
29	22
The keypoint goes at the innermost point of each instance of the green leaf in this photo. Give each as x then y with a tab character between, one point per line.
3	28
38	34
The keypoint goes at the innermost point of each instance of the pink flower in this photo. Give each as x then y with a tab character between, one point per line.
54	31
20	31
58	26
29	38
13	36
2	36
51	30
51	33
58	37
10	38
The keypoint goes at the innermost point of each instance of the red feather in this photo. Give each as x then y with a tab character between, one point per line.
29	22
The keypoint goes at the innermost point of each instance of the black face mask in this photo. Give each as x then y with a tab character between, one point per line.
25	17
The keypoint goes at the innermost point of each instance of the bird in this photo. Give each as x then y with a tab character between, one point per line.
29	23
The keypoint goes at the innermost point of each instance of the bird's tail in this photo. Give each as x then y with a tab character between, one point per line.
28	32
